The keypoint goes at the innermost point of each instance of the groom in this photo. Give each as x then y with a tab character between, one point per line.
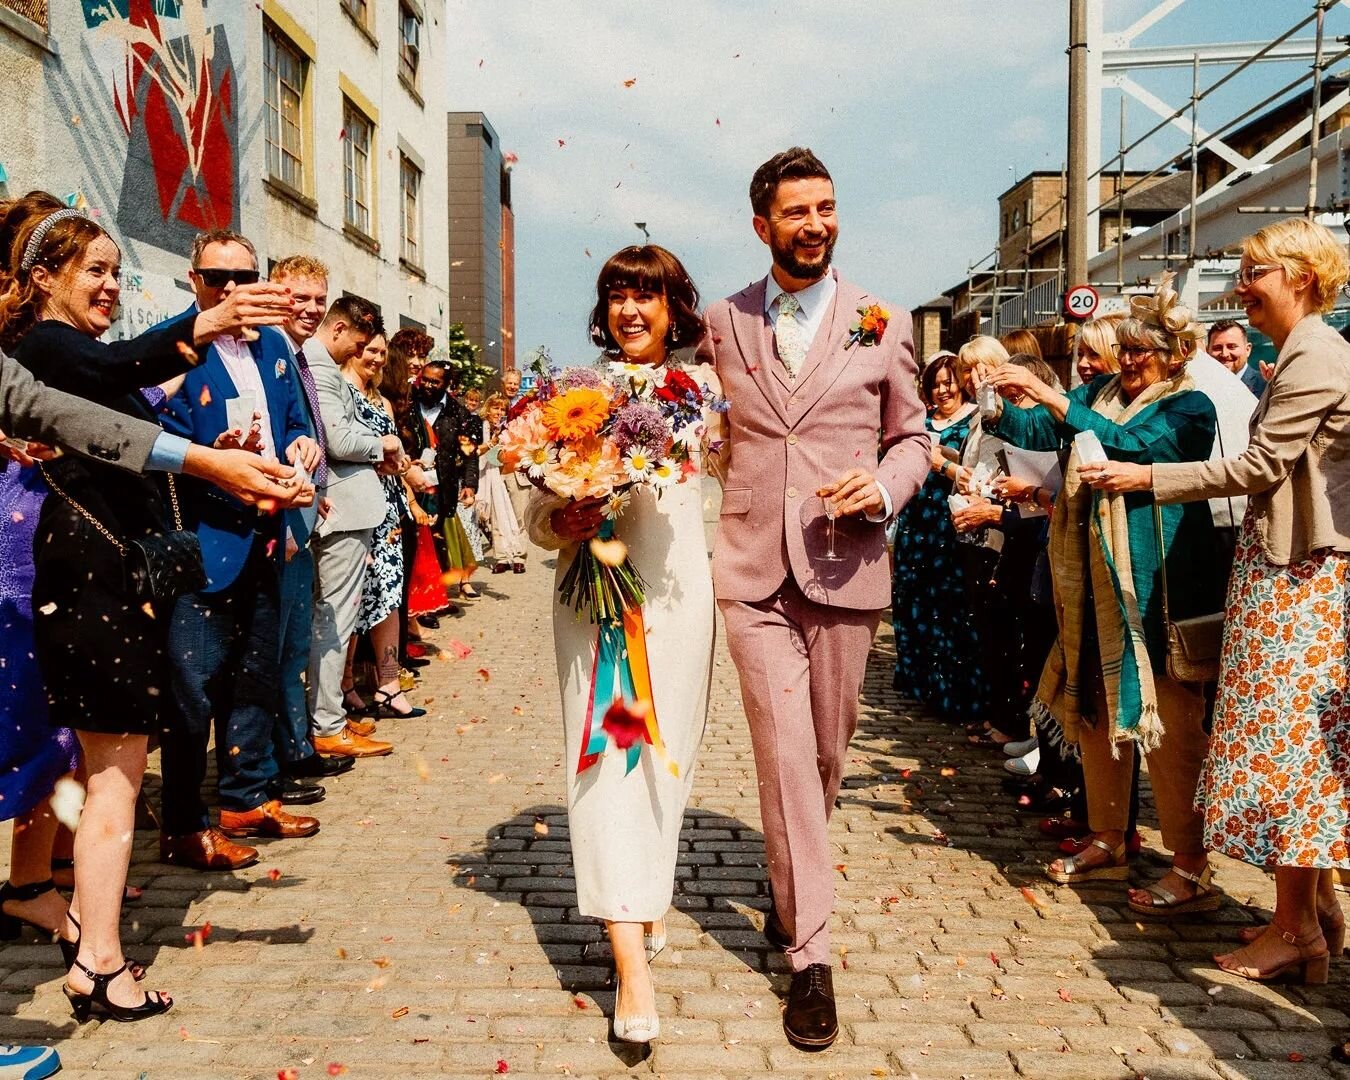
814	373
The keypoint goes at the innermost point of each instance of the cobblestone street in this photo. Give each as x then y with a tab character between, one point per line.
430	928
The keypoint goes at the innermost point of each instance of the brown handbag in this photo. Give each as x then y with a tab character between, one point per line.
1194	644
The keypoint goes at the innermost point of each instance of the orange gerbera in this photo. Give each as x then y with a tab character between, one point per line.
576	414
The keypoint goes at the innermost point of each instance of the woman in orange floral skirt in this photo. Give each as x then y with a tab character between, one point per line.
1276	786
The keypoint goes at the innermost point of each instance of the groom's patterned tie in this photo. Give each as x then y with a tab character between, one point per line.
788	332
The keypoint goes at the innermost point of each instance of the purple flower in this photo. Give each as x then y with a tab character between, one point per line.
639	424
579	378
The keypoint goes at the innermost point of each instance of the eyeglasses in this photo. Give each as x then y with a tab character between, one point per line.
1133	350
1245	275
216	278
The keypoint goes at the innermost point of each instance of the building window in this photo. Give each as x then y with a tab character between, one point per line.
356	188
33	10
284	82
359	10
409	44
410	180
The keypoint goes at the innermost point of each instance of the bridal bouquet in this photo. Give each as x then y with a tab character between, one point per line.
599	432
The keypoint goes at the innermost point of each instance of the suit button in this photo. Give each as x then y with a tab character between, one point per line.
792	440
792	493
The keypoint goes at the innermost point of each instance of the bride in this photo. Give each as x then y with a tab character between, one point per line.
625	827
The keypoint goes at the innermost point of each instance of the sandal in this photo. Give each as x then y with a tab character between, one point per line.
12	925
1165	903
382	707
82	1004
1334	932
1313	960
71	949
1074	871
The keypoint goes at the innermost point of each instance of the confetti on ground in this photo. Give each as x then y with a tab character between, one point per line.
540	827
336	1068
199	937
274	874
1064	995
288	1074
485	674
399	1013
462	651
502	1066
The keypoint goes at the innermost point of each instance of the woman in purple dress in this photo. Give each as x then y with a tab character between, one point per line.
33	753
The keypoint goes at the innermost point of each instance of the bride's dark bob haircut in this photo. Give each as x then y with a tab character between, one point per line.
654	269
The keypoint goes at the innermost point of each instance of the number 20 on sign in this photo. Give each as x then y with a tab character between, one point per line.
1080	302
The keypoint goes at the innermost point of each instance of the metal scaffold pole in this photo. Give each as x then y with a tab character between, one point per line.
1076	262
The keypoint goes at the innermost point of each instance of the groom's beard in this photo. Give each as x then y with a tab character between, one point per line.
785	258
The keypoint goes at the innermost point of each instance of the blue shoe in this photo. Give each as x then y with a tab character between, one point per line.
28	1062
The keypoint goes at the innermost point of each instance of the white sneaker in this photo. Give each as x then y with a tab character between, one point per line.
1020	748
28	1062
1024	765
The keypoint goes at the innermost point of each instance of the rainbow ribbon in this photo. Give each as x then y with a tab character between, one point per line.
621	672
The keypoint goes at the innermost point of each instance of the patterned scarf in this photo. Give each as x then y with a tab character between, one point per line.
1131	699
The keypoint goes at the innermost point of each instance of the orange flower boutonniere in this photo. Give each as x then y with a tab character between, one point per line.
871	325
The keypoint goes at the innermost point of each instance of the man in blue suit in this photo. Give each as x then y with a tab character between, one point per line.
224	639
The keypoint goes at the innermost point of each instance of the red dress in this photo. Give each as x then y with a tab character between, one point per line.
426	587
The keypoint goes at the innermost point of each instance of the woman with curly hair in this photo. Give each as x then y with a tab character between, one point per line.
1106	680
1276	786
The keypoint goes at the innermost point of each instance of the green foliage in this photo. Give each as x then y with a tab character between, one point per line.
463	371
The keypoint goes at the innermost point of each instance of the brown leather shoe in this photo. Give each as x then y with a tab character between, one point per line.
347	743
269	819
364	728
209	849
809	1019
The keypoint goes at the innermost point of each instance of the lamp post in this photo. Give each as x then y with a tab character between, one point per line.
646	236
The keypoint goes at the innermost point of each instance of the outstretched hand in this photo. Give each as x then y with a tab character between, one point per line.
248	477
1116	476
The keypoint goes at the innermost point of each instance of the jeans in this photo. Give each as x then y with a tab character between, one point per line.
223	647
290	738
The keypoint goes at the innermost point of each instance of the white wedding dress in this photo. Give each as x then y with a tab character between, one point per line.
625	829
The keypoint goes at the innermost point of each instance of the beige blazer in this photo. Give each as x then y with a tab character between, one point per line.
850	405
1296	470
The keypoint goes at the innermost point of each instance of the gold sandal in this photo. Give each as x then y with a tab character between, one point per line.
1164	903
1312	962
1074	871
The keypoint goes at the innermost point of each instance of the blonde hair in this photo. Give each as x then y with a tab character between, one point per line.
1303	249
492	401
1163	323
1021	340
1099	335
983	349
299	266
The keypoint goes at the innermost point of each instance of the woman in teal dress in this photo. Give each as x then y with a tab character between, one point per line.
937	656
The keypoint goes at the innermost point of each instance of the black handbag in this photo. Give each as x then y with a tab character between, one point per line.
160	567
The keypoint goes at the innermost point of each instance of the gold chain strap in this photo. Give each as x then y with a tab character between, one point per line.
98	525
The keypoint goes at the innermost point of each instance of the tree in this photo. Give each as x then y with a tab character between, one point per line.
462	369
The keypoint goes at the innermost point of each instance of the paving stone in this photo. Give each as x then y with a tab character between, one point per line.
441	883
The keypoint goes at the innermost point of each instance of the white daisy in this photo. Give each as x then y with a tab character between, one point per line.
665	473
638	464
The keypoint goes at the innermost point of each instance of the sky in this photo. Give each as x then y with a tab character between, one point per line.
924	111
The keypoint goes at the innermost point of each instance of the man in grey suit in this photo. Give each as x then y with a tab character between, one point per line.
356	504
33	410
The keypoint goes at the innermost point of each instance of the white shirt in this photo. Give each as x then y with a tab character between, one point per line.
243	371
1234	403
815	301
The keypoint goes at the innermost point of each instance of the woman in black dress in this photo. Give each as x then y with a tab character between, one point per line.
100	648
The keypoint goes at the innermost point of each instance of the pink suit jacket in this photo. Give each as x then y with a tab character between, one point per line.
788	438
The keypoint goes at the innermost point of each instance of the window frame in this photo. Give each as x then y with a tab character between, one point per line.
410	223
277	155
409	73
354	120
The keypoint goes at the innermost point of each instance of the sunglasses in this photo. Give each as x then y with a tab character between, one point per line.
216	279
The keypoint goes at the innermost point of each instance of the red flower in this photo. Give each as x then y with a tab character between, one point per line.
626	723
677	388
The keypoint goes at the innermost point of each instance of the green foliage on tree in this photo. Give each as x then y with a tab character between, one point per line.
463	371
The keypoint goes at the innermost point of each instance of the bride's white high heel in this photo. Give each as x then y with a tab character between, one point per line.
655	941
633	1029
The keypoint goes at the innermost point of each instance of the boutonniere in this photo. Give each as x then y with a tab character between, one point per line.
870	327
281	369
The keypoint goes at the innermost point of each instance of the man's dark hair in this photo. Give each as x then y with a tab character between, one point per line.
439	365
795	163
357	312
1220	325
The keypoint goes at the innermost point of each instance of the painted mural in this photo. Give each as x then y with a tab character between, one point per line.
171	83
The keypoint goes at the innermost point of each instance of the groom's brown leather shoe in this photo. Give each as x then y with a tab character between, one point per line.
809	1021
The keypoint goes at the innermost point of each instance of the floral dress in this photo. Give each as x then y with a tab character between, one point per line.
937	657
382	591
1275	790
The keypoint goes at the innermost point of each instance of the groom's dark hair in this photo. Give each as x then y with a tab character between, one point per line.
795	163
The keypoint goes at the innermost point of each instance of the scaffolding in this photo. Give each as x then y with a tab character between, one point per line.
1198	240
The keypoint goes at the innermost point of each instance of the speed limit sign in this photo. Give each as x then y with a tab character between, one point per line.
1080	302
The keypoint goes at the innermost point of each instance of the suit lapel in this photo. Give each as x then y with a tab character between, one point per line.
754	341
276	402
830	352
